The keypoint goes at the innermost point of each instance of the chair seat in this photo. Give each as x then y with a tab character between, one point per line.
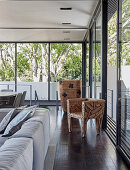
77	115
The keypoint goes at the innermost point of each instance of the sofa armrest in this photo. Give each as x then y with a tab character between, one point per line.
17	154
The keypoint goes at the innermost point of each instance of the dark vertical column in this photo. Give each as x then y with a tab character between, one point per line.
48	71
16	67
84	69
104	60
90	61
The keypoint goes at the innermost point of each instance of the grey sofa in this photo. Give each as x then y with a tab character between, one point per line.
30	143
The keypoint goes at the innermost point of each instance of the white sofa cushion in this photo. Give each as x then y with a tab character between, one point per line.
17	154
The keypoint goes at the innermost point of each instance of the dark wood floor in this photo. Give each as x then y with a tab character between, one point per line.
95	152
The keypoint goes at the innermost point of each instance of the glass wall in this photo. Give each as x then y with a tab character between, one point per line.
32	70
96	60
98	56
118	69
124	79
112	67
39	67
87	70
65	64
93	64
7	66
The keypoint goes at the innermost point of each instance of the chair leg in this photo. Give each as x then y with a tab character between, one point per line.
98	124
69	124
83	127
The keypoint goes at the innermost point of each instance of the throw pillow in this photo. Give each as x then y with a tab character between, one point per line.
7	119
18	120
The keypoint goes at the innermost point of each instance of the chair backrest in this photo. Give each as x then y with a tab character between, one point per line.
69	89
6	90
17	100
94	108
23	98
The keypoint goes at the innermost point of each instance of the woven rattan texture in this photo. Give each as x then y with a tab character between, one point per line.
85	109
69	89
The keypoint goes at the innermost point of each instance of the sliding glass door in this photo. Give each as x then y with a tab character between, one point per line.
87	69
112	67
96	57
124	77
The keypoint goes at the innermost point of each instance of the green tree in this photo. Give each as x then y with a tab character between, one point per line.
65	61
124	36
7	63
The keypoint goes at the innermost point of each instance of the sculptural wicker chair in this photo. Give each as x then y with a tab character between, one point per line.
69	89
85	109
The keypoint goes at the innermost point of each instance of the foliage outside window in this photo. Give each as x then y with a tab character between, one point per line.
7	62
32	62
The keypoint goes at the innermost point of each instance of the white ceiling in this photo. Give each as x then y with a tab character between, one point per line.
34	20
